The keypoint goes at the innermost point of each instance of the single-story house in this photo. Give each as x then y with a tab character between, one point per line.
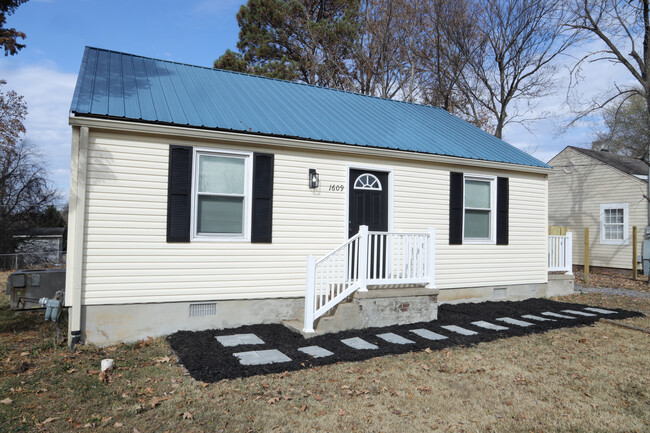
605	192
203	198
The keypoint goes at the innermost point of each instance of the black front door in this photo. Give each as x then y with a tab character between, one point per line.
369	206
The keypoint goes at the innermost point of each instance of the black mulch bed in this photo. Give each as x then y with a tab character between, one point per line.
209	361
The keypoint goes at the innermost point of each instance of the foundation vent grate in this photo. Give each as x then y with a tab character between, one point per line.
200	310
500	293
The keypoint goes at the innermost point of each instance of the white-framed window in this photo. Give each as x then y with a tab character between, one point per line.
614	223
479	209
221	195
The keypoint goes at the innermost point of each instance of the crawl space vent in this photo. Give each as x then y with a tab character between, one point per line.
499	293
200	310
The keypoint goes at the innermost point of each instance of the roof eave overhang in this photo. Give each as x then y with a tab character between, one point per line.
274	141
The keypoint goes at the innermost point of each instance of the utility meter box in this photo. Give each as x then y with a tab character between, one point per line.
26	287
646	257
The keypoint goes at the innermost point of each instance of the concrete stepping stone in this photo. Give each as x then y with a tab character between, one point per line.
459	330
238	339
429	335
358	343
488	325
394	338
315	351
259	357
538	318
512	321
560	316
601	310
579	313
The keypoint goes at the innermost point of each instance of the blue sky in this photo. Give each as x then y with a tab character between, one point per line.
194	32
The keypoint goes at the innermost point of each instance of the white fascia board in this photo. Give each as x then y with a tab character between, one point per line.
238	137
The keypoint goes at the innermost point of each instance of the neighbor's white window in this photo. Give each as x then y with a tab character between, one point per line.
479	209
221	195
613	223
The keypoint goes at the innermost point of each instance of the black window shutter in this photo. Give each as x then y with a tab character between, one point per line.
502	210
262	221
179	190
455	208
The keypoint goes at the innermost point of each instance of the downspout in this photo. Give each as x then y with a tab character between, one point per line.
77	200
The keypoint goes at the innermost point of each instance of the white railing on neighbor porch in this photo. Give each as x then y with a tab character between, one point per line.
367	259
560	253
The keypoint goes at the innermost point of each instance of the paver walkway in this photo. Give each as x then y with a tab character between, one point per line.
258	357
213	355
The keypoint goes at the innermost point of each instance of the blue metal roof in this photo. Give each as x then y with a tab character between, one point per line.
124	86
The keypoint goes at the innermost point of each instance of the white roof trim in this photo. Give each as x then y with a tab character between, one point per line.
237	137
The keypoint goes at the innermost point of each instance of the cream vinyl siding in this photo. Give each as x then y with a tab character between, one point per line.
126	258
575	199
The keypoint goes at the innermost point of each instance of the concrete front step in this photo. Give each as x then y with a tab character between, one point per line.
376	308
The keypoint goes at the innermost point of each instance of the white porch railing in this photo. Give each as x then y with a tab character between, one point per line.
560	253
367	259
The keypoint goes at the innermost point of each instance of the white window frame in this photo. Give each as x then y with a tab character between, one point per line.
248	192
623	206
493	208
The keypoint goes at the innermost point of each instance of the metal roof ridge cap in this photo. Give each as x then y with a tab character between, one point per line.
295	142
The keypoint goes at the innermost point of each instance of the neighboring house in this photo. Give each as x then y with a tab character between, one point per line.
605	192
40	246
192	204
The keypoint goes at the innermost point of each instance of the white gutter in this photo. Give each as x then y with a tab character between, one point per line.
79	153
238	137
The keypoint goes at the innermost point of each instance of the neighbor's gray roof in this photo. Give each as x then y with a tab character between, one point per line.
626	164
124	86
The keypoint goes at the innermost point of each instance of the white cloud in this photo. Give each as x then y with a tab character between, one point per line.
48	93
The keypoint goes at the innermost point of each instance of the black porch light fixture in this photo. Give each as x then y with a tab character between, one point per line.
313	178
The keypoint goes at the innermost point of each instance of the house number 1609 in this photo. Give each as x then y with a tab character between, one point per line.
336	187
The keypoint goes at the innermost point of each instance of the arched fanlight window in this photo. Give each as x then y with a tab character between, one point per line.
367	181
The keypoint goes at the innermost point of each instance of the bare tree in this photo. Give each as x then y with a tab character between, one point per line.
13	111
514	64
623	27
25	190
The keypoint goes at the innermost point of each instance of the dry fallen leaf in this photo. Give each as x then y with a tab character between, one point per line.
342	412
49	420
188	415
6	401
156	401
118	424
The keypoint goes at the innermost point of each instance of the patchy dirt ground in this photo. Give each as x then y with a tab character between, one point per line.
610	278
582	379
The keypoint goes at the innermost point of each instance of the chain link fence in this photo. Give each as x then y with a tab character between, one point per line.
34	259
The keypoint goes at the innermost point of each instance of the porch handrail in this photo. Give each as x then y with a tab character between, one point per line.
367	258
560	253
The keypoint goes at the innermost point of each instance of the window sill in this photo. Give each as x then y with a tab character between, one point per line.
478	242
614	242
219	239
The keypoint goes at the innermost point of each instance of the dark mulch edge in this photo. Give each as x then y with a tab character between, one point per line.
208	361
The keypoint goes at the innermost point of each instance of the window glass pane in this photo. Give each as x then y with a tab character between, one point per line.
619	216
220	214
221	175
477	224
608	232
608	216
619	232
477	194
